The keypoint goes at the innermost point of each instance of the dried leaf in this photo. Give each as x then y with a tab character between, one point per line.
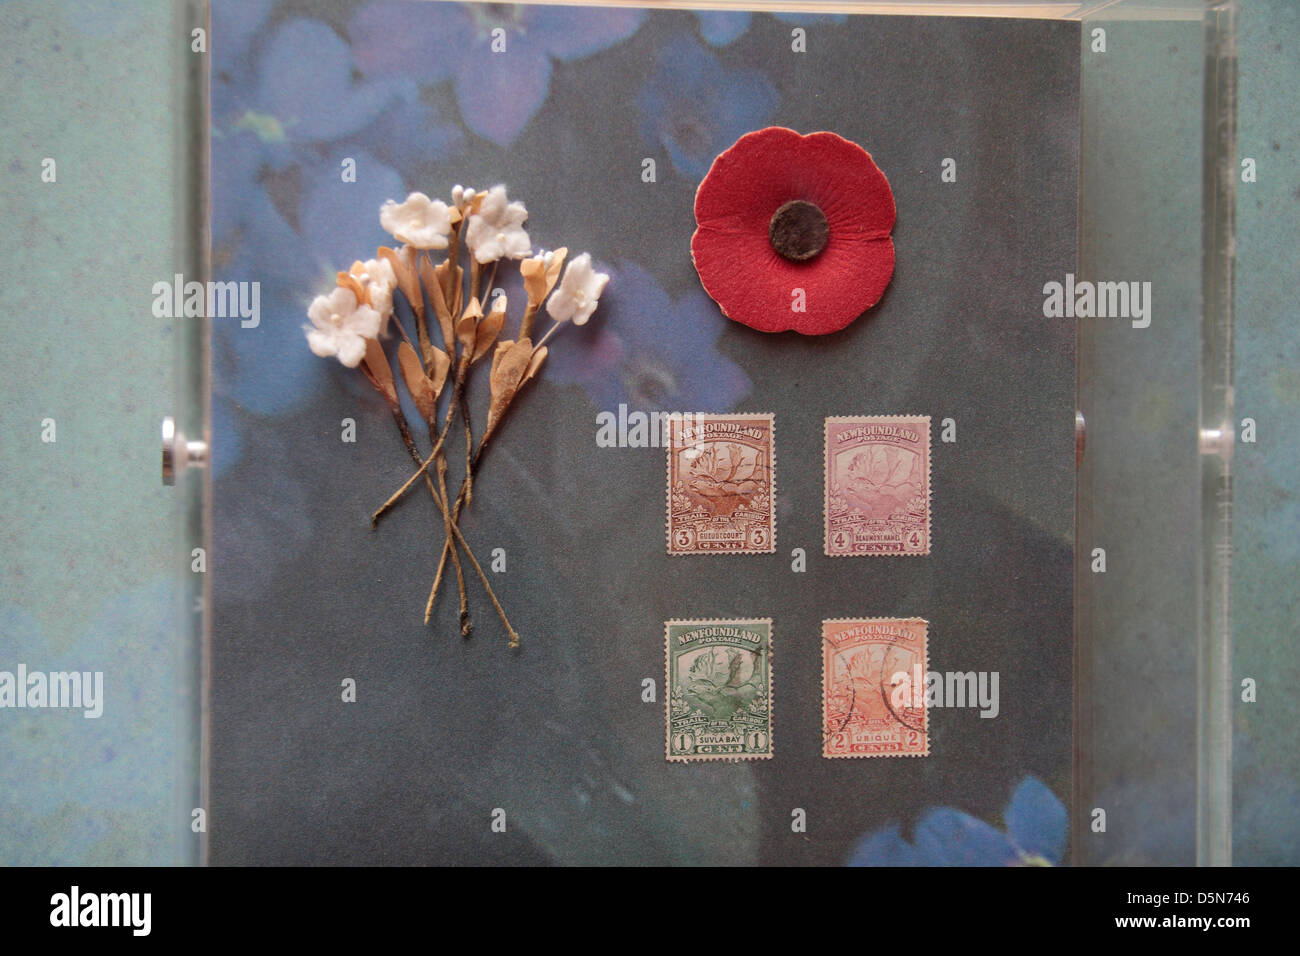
534	365
465	335
467	326
502	347
417	383
438	369
349	281
540	278
534	273
433	283
447	275
509	365
377	363
393	259
489	328
455	280
404	263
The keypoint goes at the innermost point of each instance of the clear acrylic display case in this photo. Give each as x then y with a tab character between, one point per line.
1152	672
1154	689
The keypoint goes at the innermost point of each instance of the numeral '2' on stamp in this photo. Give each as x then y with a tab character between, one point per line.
873	687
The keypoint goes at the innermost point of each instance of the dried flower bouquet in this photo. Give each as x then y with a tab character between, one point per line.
350	321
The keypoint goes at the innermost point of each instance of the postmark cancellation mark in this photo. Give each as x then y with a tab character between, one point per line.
719	689
721	485
873	687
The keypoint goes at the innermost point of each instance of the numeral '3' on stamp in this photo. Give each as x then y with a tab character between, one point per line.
721	485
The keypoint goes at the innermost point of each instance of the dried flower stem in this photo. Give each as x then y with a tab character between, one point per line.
405	432
462	498
402	331
469	447
514	636
449	527
459	395
464	406
421	329
392	500
440	460
555	327
423	463
471	462
399	418
456	398
436	455
526	323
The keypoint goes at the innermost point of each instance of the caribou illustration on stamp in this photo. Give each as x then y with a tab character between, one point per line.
877	495
719	689
873	687
721	485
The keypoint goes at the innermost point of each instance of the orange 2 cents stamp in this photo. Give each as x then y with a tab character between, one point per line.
873	687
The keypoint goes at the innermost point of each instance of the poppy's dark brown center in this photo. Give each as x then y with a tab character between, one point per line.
798	230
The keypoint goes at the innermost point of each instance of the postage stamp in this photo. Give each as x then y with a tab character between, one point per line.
721	485
877	485
719	689
873	687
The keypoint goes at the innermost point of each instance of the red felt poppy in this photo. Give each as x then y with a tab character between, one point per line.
793	231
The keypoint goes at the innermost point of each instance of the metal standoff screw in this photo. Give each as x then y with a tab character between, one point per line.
1080	437
178	453
1217	441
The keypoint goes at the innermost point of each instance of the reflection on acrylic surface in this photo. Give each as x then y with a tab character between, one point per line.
408	96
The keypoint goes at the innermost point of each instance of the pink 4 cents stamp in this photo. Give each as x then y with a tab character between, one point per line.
873	687
877	485
721	484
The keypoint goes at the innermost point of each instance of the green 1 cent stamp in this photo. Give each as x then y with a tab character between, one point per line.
719	689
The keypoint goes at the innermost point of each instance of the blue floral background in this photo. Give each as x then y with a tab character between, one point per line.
76	791
444	729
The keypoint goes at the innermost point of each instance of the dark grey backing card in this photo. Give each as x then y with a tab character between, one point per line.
445	731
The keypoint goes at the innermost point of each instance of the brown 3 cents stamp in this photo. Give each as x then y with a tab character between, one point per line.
877	485
721	484
873	687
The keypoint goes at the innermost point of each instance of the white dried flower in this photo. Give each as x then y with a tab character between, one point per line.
462	196
497	231
419	221
576	296
340	326
378	279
